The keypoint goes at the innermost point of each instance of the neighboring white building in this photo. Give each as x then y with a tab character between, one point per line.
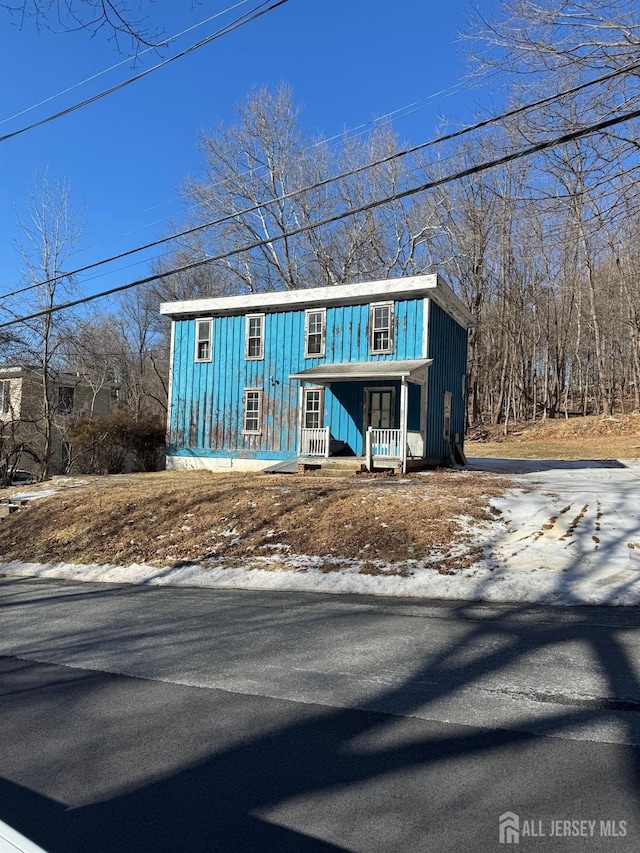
22	420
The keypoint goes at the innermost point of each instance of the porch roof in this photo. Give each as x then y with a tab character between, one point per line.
414	370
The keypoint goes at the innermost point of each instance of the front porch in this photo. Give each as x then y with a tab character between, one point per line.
373	416
381	444
384	451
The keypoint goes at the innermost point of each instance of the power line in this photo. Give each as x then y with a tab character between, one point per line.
318	185
257	12
472	170
349	133
165	43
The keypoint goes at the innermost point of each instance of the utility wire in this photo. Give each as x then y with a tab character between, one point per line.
463	173
257	12
165	43
318	185
348	133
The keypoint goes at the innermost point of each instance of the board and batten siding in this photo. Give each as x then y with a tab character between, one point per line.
207	397
448	349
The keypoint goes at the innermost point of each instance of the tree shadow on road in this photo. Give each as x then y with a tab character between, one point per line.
240	772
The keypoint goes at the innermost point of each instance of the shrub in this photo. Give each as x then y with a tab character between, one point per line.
119	443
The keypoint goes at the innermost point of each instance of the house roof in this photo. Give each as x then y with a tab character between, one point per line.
414	370
23	371
408	287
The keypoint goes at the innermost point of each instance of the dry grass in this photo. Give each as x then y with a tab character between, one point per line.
171	517
592	437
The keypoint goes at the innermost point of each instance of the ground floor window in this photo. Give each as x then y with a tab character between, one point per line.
252	411
313	408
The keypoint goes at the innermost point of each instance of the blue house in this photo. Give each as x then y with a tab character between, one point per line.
372	372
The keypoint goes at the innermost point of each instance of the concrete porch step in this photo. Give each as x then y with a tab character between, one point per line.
331	467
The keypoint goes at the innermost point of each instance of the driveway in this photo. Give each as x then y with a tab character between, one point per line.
573	532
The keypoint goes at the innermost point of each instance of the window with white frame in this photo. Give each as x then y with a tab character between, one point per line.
5	396
381	327
254	336
315	333
252	422
313	408
203	339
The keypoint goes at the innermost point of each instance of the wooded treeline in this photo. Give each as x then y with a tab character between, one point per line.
543	249
543	252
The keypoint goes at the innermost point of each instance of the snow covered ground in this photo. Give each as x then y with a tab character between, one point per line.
569	533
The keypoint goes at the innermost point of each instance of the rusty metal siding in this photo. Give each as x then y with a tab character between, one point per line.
207	397
448	349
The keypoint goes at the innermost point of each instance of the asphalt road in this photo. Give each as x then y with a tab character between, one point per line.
157	719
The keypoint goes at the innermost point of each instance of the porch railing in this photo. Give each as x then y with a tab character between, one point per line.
385	442
314	442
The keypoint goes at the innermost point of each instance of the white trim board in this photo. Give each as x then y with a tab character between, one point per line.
417	286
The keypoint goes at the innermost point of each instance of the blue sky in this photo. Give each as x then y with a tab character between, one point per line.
347	61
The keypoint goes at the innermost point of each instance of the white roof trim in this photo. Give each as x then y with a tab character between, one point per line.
58	377
414	370
417	286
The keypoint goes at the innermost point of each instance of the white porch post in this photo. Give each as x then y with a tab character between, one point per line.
300	402
368	450
404	409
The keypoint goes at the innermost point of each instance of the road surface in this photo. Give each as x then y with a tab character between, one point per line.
153	719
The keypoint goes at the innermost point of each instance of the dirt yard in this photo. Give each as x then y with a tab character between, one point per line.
592	437
174	518
169	517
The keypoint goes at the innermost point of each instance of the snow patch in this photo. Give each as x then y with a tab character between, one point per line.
568	534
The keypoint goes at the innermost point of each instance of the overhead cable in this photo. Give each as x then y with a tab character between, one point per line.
463	173
257	12
342	176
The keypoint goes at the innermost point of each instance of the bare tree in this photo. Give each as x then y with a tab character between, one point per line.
49	238
120	19
264	182
559	35
129	348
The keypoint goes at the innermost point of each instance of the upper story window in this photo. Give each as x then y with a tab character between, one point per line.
252	421
381	327
254	336
315	333
66	395
203	340
5	396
